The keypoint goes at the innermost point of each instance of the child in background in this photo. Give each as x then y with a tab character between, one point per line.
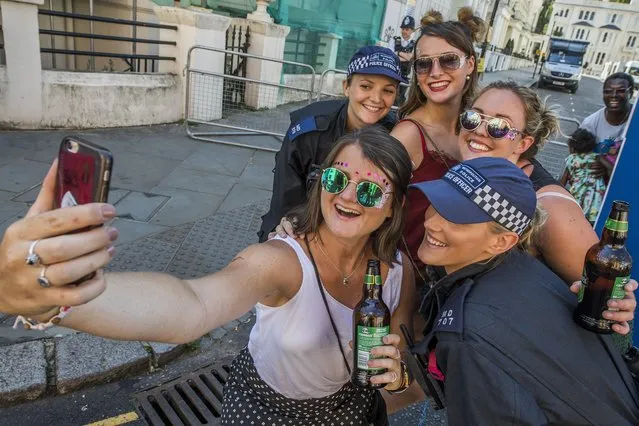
587	189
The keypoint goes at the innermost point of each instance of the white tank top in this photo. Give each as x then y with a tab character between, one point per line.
294	346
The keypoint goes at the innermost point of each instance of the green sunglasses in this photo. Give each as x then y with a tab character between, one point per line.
369	194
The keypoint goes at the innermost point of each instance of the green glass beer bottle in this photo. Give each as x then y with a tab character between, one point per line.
606	271
371	322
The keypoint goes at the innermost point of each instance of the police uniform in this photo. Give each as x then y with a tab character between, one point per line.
313	132
501	344
404	46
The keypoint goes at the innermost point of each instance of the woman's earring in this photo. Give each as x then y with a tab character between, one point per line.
467	76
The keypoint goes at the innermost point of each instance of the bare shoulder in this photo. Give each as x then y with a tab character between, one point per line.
563	207
408	134
271	259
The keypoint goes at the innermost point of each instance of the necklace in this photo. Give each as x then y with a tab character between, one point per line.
344	278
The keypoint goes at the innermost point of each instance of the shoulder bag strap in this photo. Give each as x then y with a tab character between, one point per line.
321	288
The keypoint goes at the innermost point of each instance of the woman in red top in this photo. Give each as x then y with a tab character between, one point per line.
444	82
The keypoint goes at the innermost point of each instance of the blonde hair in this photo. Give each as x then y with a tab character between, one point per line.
541	119
461	34
529	238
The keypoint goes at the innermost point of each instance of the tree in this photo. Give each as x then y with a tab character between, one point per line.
544	17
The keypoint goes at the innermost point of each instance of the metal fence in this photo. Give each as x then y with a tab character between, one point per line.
214	113
134	61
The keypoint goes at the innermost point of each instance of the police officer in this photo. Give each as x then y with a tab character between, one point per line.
370	89
404	47
499	338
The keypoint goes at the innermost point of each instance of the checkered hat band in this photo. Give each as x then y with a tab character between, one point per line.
497	207
374	60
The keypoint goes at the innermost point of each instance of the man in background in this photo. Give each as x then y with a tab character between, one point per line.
608	123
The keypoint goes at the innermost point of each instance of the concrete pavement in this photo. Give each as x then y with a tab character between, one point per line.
184	207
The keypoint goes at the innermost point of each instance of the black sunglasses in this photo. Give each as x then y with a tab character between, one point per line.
496	127
447	61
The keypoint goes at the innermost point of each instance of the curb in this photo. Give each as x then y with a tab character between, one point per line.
59	365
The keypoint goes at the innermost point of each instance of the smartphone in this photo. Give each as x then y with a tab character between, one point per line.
84	173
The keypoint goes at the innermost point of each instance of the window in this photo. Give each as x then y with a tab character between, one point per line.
598	57
592	15
588	35
586	15
605	37
581	14
614	18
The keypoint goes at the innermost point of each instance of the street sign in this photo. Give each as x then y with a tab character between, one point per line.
622	180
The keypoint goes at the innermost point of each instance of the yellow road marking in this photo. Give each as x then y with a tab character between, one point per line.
117	420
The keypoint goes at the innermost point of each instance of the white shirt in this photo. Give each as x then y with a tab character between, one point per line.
294	347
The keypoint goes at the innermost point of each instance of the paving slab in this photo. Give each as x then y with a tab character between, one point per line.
23	371
219	159
258	174
184	206
175	146
243	194
116	194
82	360
28	196
20	174
140	205
175	235
196	180
131	230
140	172
9	209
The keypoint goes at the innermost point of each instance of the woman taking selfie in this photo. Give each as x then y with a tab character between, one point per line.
370	89
500	335
289	372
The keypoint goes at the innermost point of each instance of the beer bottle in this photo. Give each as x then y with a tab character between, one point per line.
606	271
371	322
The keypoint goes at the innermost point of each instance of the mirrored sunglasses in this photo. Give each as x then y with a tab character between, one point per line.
369	194
447	62
497	128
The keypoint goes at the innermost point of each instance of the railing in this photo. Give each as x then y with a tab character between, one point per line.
135	62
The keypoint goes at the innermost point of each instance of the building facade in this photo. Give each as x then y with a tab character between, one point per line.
611	28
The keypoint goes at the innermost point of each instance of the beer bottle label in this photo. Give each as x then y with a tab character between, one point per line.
616	225
367	339
618	291
373	279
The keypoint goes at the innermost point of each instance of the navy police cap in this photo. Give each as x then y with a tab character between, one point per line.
376	60
408	22
481	190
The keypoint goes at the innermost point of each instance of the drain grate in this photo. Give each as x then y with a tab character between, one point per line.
192	399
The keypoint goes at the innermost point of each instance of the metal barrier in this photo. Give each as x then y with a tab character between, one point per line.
211	96
564	135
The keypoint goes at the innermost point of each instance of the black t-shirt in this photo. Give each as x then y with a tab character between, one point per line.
540	176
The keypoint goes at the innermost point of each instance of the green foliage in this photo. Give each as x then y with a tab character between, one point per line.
544	17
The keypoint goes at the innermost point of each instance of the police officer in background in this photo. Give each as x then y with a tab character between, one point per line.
404	47
370	88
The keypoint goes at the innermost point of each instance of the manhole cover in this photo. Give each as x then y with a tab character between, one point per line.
191	399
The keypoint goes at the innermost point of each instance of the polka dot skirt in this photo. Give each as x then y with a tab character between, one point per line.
248	400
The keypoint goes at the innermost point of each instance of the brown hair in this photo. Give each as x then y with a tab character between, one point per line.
460	34
387	153
541	119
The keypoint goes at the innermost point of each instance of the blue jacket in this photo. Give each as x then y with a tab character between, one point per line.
511	353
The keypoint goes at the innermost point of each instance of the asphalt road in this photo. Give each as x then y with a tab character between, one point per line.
112	403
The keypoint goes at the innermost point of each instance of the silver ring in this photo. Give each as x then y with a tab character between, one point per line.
33	258
42	279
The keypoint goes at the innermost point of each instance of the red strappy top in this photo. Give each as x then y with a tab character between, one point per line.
431	168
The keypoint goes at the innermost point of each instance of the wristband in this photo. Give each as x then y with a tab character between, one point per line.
30	324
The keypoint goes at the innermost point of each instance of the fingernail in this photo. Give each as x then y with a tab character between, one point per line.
113	233
111	251
613	303
108	211
607	315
